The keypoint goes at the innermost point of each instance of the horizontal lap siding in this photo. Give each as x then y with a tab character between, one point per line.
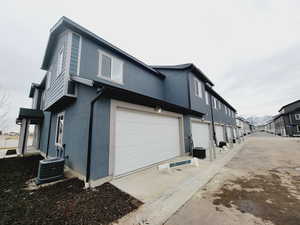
57	83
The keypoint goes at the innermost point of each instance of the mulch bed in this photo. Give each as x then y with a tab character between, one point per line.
66	202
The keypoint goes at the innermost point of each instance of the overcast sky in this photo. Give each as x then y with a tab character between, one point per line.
249	49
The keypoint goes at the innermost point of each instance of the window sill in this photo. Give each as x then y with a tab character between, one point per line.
110	80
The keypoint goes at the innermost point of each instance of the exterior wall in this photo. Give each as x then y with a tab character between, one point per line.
135	78
176	87
199	104
57	83
75	134
44	132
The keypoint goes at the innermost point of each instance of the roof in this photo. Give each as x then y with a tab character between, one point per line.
32	88
219	97
289	104
186	66
65	22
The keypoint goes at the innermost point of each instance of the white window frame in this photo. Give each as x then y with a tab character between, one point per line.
48	80
198	88
215	102
297	116
206	98
113	63
59	64
56	130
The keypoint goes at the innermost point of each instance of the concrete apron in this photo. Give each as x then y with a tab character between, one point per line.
156	210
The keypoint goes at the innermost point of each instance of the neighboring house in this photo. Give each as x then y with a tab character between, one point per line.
268	127
287	122
111	114
244	126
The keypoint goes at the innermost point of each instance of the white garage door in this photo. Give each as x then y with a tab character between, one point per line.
200	133
142	139
219	133
229	134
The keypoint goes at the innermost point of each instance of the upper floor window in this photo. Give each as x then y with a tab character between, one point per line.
48	80
297	116
220	105
225	109
198	88
60	62
206	98
110	68
215	102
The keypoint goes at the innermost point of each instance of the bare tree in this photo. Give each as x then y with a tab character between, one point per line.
4	109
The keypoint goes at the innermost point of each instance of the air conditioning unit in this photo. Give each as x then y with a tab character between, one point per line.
199	152
50	170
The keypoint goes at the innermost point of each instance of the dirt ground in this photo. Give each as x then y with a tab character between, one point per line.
260	186
65	202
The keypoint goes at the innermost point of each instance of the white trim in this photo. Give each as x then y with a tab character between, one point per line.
297	116
198	90
58	115
115	104
298	128
79	53
59	62
113	58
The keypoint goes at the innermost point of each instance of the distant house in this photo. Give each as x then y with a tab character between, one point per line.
112	114
287	122
244	126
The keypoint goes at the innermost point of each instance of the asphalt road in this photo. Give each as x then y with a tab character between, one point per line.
260	185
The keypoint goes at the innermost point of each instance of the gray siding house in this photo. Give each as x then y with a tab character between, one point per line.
110	114
287	122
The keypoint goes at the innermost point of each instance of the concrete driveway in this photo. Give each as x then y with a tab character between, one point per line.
259	186
164	192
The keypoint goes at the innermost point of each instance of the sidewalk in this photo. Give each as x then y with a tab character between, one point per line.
158	210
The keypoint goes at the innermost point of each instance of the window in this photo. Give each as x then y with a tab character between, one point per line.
225	109
198	88
298	128
297	116
60	62
110	68
220	105
206	98
215	102
48	80
59	129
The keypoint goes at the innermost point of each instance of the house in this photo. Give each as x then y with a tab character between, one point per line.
244	126
287	122
110	114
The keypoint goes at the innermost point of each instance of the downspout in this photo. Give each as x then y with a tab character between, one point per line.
90	133
49	133
212	119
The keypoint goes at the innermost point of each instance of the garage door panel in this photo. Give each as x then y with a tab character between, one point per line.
143	139
219	133
200	132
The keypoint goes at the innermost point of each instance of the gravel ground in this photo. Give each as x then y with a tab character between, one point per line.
65	202
260	185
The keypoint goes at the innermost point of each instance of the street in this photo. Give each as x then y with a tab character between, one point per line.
260	185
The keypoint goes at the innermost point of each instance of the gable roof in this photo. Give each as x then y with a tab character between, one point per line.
186	66
65	22
289	104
